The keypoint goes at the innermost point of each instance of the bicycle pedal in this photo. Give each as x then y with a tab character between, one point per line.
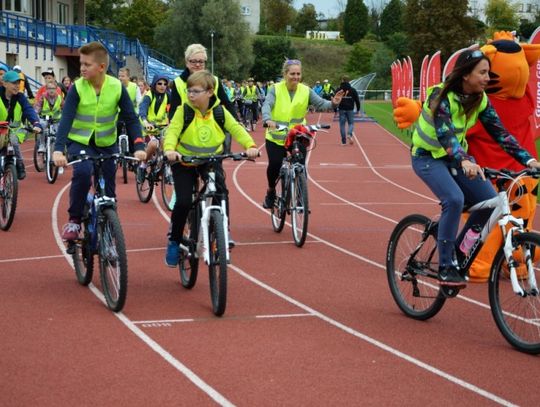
451	291
71	246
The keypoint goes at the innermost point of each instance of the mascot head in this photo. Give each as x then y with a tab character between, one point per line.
510	63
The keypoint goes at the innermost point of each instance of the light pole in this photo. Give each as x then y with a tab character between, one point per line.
212	32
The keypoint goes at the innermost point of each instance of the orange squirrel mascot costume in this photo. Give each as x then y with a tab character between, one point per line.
510	96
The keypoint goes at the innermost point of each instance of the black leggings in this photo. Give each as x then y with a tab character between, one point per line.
184	181
276	154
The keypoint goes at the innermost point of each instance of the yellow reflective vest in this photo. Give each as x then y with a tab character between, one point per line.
159	118
54	111
96	116
424	133
287	111
181	88
15	124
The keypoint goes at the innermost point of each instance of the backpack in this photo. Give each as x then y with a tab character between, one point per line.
189	115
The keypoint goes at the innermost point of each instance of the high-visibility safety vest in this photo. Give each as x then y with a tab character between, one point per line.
286	111
132	92
54	111
16	122
160	117
424	134
250	93
181	88
327	88
96	116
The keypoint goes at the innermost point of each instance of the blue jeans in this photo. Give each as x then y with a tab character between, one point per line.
346	116
453	191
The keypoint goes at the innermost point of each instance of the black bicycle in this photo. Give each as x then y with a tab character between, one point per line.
291	186
101	234
9	184
206	232
412	266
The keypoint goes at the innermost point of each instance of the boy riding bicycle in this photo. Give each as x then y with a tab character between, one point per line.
89	123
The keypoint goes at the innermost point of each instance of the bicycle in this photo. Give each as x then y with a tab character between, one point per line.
124	160
206	232
157	171
291	186
101	234
9	183
51	170
249	121
412	266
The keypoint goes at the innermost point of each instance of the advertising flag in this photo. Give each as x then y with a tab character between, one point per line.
434	70
423	78
534	85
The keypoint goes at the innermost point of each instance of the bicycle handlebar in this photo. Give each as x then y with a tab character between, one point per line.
83	156
195	159
310	127
505	173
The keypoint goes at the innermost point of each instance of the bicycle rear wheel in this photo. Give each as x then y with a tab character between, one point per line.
9	190
217	267
278	212
39	157
516	316
167	187
299	208
145	188
412	267
189	263
51	170
112	260
83	258
124	148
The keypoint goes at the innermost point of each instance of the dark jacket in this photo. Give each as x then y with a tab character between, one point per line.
147	100
350	97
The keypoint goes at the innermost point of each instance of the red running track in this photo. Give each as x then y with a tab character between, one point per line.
313	326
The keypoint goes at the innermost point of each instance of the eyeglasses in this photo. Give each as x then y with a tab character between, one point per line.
196	91
51	88
197	61
161	83
475	54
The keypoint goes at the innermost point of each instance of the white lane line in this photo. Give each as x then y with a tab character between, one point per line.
377	203
188	373
168	322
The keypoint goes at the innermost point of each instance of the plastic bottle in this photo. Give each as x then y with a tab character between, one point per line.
470	238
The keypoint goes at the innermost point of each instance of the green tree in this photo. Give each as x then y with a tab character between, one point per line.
140	20
375	23
270	53
380	64
501	15
398	43
391	19
101	13
192	21
306	20
359	61
276	15
355	21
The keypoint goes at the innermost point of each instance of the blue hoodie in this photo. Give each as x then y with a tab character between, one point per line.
147	99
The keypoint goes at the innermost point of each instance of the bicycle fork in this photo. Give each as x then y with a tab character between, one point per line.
203	243
512	265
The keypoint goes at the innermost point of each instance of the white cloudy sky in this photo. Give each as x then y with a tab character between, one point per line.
329	8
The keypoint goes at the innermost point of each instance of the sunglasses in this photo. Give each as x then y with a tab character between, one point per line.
161	83
197	61
475	54
196	91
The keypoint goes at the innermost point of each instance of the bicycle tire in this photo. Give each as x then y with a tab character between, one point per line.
189	264
413	289
517	316
124	148
39	159
146	188
8	196
167	187
299	208
83	257
278	212
249	119
217	266
112	260
51	169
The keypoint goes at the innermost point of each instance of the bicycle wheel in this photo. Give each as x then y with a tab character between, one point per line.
83	258
217	267
278	212
167	187
124	148
39	157
51	169
9	189
146	188
249	119
516	316
299	208
112	260
189	262
412	267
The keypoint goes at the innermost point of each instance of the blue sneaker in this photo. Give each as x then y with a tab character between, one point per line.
173	254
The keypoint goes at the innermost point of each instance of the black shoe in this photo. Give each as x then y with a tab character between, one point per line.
450	276
21	171
269	199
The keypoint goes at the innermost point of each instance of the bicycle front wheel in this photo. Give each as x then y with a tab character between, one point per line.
412	266
9	189
146	187
299	208
112	260
278	211
189	263
518	316
51	170
39	157
167	187
83	257
218	263
124	148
